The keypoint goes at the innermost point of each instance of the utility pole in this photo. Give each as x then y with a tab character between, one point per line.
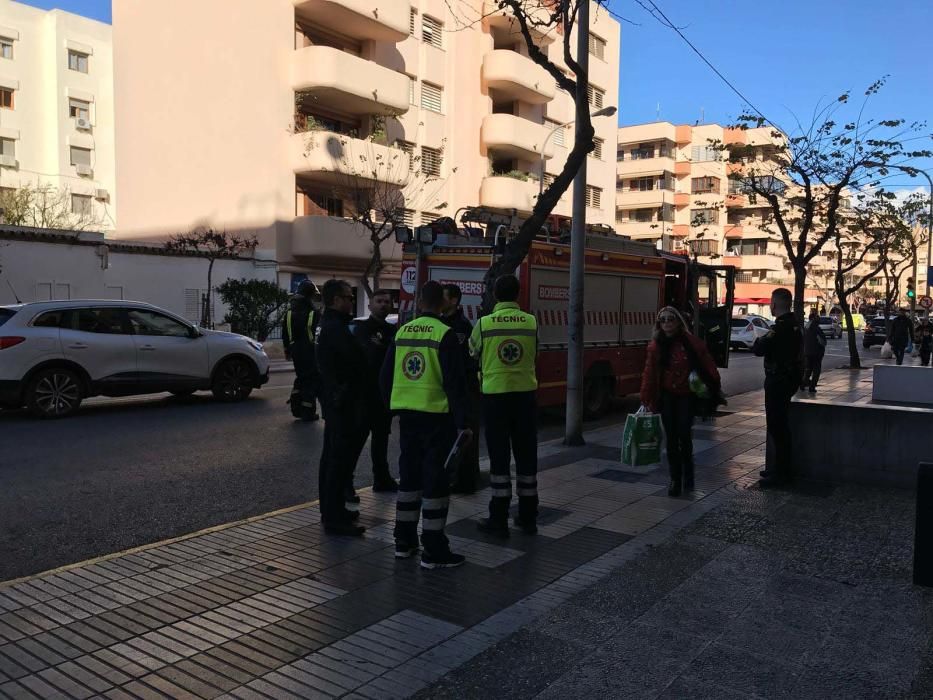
573	430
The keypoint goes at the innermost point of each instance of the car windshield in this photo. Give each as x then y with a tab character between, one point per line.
740	322
6	315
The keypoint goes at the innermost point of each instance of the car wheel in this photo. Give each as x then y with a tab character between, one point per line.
597	397
233	380
54	393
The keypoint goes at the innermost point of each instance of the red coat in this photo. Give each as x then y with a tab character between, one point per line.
674	379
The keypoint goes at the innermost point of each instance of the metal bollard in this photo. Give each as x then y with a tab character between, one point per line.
923	533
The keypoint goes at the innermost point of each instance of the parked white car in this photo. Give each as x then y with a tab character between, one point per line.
53	354
746	330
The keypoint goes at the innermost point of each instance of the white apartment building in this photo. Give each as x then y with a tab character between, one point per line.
56	108
247	116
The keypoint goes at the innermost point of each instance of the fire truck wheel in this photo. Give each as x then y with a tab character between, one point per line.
597	396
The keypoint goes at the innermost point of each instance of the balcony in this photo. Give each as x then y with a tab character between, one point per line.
515	137
517	76
347	83
538	20
331	158
682	167
632	199
645	166
499	192
377	20
336	238
643	229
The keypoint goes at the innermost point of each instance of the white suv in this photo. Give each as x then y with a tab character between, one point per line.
55	353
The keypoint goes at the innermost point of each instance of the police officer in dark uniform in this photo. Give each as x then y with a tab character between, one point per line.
376	335
422	380
782	350
298	335
466	479
343	369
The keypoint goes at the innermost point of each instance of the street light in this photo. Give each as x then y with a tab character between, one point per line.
604	112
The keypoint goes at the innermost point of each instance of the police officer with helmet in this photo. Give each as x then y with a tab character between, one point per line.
298	336
422	380
506	344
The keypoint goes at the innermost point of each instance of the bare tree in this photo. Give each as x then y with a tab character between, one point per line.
47	206
534	19
809	173
211	245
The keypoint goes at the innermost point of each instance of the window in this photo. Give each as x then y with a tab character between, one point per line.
560	137
151	323
548	179
704	185
704	247
594	196
6	98
406	217
326	205
699	217
8	148
409	148
432	97
756	246
82	204
597	47
6	48
77	61
431	31
666	182
598	150
620	154
595	96
703	153
411	90
428	217
643	152
79	109
412	21
111	321
80	156
52	319
642	215
431	161
642	184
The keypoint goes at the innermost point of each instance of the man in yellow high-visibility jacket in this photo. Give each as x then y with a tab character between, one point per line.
506	345
423	382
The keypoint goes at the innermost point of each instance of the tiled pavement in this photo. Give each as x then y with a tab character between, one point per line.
273	608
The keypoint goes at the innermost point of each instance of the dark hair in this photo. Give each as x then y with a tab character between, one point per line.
507	288
432	295
333	289
380	293
784	295
814	314
453	291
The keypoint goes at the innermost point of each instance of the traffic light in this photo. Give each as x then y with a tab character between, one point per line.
911	290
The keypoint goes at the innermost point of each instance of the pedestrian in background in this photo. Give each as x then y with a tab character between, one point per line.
506	344
343	368
926	343
298	336
466	480
376	334
814	348
673	354
782	349
422	380
899	335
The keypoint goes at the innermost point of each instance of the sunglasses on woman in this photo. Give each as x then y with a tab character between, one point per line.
667	319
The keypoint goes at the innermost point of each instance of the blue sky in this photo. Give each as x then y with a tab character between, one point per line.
784	56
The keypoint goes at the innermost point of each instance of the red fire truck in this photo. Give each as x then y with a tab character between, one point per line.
626	283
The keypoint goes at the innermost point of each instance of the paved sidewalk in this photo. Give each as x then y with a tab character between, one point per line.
273	608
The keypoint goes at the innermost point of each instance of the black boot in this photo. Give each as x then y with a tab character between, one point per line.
688	476
677	477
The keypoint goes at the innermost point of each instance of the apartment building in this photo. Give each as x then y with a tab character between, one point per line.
253	117
56	109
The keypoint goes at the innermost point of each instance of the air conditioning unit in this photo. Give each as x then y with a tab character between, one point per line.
83	124
9	162
84	170
102	195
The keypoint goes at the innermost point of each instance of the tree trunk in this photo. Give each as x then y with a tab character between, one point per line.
855	361
208	316
800	289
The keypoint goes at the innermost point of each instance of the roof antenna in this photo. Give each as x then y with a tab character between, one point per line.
15	295
659	112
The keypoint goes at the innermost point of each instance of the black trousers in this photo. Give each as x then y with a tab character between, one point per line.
303	399
467	476
677	418
425	440
778	393
925	358
344	437
812	371
512	429
380	426
899	353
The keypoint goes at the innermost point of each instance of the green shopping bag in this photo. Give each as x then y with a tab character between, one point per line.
641	439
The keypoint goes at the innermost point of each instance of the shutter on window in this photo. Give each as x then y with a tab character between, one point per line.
431	97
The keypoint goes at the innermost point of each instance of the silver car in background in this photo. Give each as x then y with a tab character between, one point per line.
746	330
53	354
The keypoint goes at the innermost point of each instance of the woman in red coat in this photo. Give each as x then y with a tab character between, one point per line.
673	353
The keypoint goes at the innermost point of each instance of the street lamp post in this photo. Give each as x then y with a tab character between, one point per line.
604	112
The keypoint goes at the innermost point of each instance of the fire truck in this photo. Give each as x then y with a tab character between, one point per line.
626	283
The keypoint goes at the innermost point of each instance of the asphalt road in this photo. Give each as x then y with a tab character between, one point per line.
126	472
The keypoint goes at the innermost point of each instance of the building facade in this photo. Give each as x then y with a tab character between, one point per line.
56	110
267	117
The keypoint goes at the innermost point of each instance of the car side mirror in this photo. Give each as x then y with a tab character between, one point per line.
194	332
